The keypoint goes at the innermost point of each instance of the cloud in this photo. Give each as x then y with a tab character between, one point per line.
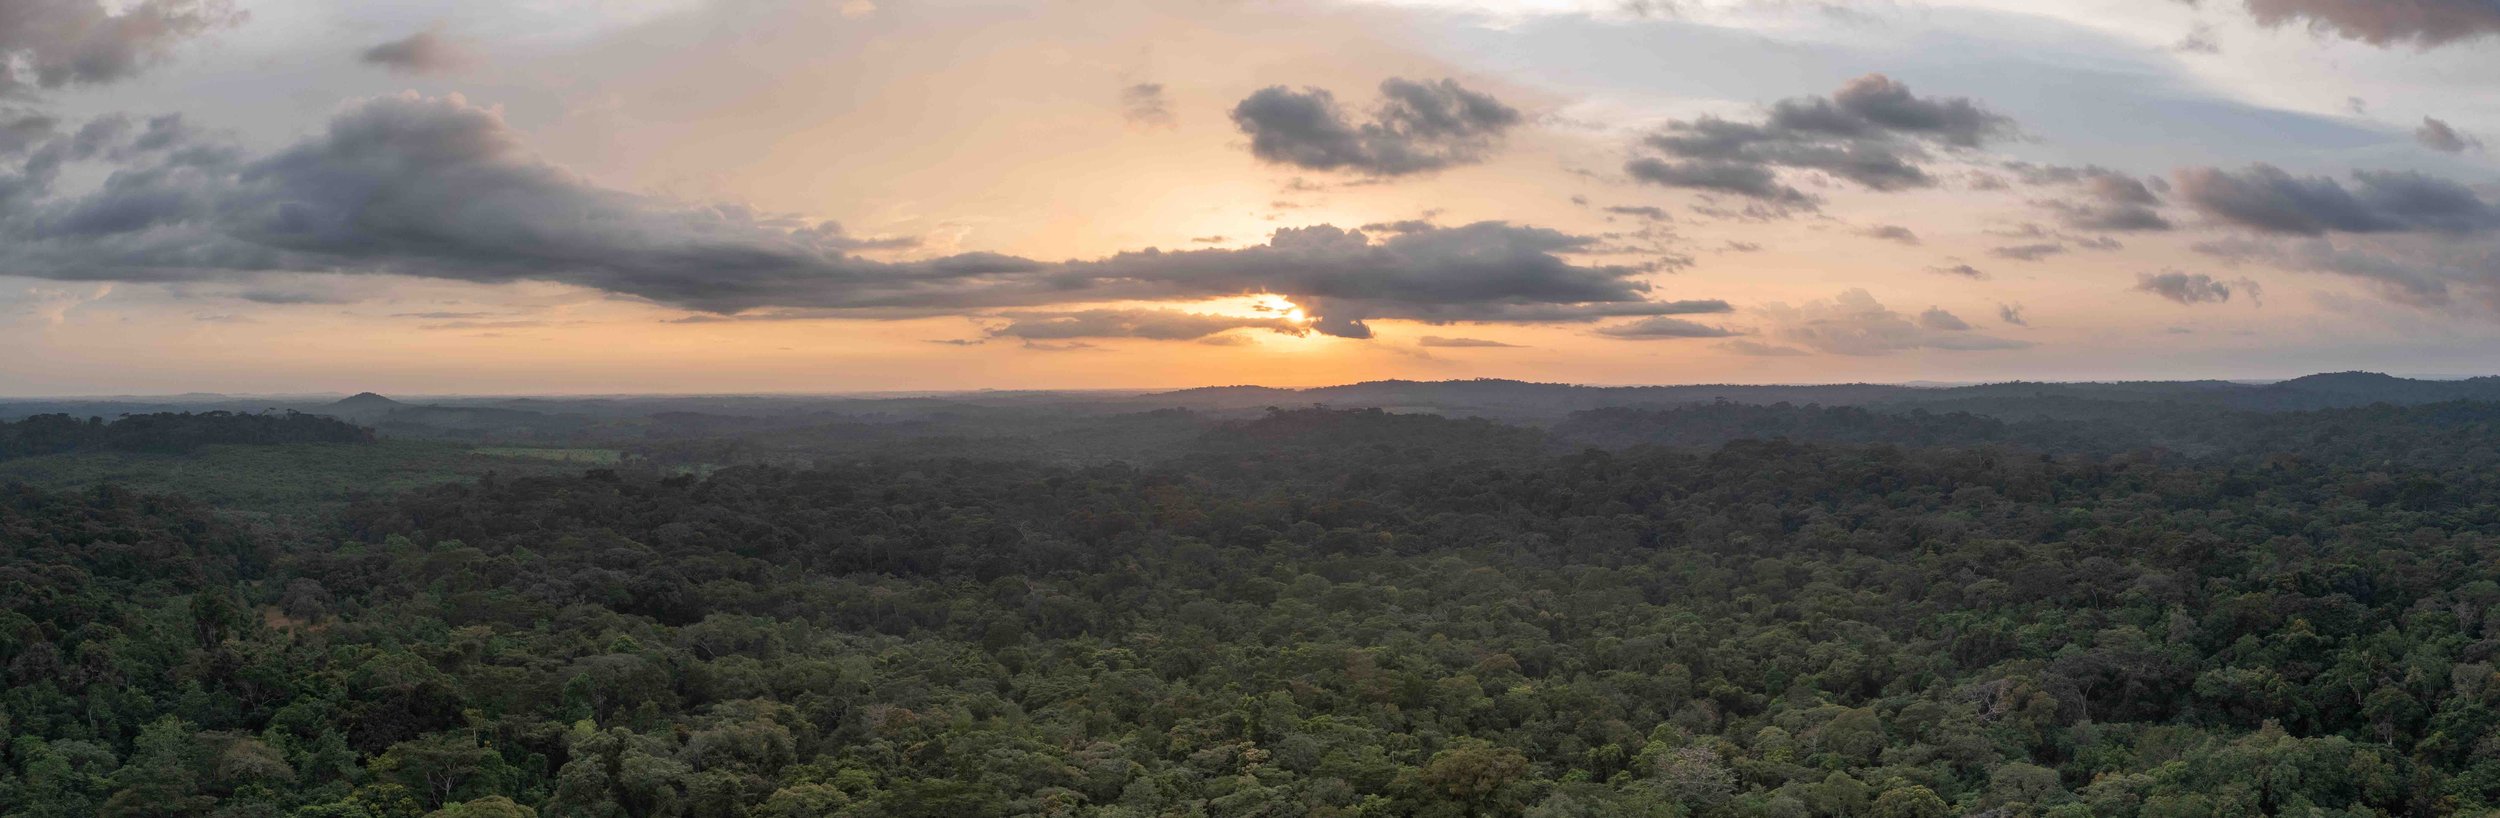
438	188
1854	323
1937	319
1747	346
1157	325
2185	288
2267	199
1963	270
2437	135
1464	343
2027	252
1652	213
2428	272
291	297
54	304
1662	328
425	52
2012	314
1720	176
1418	127
59	43
2199	40
2420	23
1143	105
1399	226
22	131
1891	232
1873	132
2106	200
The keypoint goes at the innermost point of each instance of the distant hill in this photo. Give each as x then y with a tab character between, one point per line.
366	402
1525	400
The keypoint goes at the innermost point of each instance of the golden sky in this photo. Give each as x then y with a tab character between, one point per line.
750	196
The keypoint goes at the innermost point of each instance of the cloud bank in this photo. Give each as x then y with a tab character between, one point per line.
1418	127
1873	132
439	188
2265	198
1854	323
2420	23
48	44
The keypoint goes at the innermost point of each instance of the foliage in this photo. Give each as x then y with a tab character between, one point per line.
1350	614
170	432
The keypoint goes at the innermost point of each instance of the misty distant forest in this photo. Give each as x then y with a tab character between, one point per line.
1451	599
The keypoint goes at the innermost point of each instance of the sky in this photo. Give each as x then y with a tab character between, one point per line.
814	196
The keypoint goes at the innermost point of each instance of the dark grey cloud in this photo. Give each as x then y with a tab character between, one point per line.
1876	103
1145	106
59	43
22	131
435	187
1891	232
2420	23
2027	252
1873	132
1418	127
2423	271
1158	325
2267	199
2439	136
1963	270
1463	343
280	296
1719	176
425	52
2102	200
2012	314
2184	288
2119	218
1664	328
1650	212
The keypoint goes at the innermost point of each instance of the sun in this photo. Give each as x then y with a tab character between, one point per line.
1278	306
1250	305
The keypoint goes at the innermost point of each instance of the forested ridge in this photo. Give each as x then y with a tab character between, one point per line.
170	432
1340	614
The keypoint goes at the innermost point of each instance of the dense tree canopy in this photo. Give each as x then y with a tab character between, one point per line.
1317	613
167	432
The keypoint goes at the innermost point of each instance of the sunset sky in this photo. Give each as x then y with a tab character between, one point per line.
602	196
